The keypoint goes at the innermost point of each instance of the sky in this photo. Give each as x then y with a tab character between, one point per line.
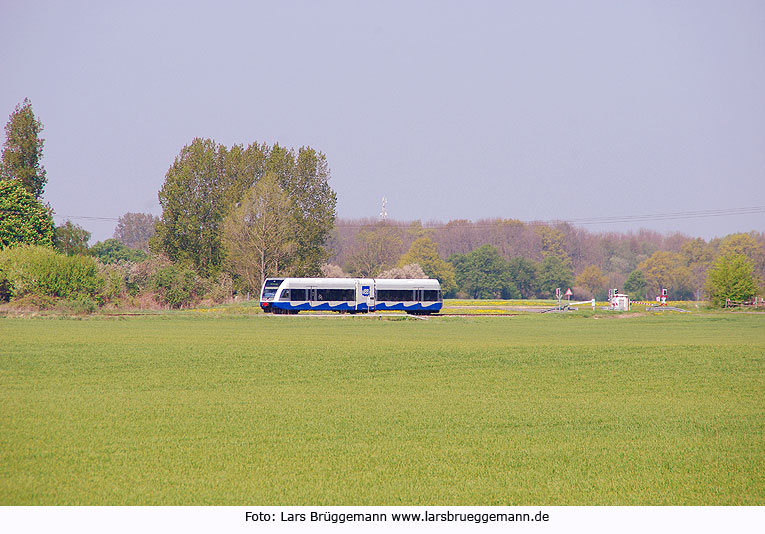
614	115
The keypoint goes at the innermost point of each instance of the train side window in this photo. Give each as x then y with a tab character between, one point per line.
297	295
285	296
431	295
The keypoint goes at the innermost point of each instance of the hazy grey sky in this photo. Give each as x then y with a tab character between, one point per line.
530	110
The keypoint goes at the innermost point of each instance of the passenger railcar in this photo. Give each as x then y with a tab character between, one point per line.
351	295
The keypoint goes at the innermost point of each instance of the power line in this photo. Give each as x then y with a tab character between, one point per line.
612	219
87	217
702	214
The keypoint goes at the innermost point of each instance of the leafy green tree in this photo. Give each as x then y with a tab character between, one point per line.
22	151
135	229
552	243
748	246
667	270
593	279
424	252
523	272
553	273
259	234
23	219
113	251
731	278
636	286
193	207
482	273
313	207
207	180
71	239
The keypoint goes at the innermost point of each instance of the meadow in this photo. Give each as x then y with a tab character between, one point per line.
239	409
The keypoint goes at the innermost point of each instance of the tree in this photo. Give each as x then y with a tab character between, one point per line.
698	256
552	243
23	219
731	278
410	271
207	180
22	151
635	285
313	208
193	207
553	273
482	273
380	248
667	270
113	251
593	279
423	252
744	244
331	270
135	229
71	239
258	235
523	272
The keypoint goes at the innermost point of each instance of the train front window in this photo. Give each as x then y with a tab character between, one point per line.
270	288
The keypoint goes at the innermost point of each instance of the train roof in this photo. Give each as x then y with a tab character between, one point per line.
380	283
407	283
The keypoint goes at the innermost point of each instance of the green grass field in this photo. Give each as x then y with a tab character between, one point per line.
257	410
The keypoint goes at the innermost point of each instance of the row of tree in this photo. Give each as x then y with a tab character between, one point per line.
244	211
251	211
247	212
511	258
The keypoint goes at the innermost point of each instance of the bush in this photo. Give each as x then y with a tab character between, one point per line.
77	306
177	286
43	271
113	251
731	278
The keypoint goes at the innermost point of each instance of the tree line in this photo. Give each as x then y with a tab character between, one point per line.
232	216
506	258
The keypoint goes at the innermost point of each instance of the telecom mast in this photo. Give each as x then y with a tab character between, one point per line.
383	211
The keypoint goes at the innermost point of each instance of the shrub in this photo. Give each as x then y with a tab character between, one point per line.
43	271
731	278
113	251
77	306
177	286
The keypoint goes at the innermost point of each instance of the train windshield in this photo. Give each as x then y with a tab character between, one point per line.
271	287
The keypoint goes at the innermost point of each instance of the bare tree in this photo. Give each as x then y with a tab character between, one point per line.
380	247
135	229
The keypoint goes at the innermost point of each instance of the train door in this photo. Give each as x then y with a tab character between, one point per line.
365	295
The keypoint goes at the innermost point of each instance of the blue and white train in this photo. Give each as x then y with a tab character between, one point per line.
351	295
